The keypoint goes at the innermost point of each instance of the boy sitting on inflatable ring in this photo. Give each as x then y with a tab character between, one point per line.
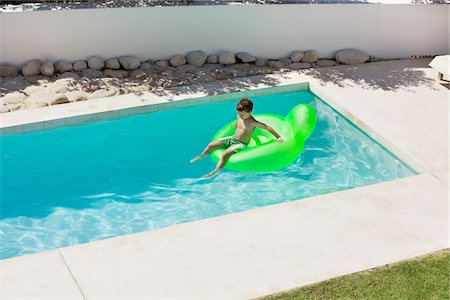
245	127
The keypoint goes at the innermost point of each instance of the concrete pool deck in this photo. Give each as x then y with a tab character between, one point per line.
267	250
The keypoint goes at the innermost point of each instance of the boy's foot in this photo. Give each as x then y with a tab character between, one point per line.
210	174
197	158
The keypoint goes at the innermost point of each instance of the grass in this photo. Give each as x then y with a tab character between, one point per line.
425	277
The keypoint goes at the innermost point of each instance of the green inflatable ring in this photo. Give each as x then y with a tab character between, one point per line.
263	154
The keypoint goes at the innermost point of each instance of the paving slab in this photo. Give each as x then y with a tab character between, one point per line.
38	276
270	249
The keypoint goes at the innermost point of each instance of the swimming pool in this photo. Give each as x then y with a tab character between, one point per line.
83	183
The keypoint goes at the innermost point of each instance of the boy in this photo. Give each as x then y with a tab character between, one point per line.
245	127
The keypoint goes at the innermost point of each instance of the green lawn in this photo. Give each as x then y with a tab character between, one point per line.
425	277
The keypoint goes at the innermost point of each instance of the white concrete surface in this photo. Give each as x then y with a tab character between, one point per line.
387	31
267	250
38	276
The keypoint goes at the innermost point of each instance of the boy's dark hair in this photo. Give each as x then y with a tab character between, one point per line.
245	105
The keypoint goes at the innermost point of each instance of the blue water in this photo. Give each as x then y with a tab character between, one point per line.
77	184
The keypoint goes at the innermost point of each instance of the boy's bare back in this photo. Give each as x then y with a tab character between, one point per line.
245	129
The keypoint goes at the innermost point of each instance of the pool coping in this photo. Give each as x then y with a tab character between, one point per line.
69	261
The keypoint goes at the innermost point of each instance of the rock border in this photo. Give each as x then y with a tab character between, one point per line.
40	83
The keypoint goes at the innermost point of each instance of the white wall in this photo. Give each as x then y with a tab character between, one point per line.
272	31
448	29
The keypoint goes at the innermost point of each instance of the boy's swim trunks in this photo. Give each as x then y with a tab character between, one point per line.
232	143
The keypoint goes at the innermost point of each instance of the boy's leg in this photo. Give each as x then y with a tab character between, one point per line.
211	146
221	162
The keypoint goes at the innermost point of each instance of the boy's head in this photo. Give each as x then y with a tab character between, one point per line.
245	105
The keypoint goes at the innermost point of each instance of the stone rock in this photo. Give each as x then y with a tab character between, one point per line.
15	83
47	69
146	66
245	57
35	102
178	60
32	67
44	98
310	57
241	71
75	96
137	88
263	70
129	62
115	73
96	63
37	79
13	98
212	59
58	99
91	73
298	66
62	66
227	58
296	56
196	58
260	62
32	89
69	75
168	72
13	107
286	61
138	74
351	57
113	64
326	63
275	64
60	86
185	68
102	93
162	63
8	71
4	108
223	76
79	65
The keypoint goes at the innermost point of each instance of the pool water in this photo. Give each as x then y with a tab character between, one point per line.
83	183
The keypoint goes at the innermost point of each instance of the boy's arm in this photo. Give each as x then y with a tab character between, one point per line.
270	129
